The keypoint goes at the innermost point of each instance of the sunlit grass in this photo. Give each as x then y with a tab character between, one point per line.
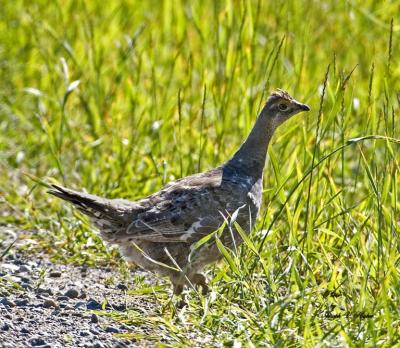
120	98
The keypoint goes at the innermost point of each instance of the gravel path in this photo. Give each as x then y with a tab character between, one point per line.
47	305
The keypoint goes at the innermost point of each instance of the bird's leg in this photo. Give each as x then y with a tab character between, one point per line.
177	289
200	280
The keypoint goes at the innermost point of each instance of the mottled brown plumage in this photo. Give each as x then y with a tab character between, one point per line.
158	232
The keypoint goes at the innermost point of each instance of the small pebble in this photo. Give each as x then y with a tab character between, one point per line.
10	257
10	267
93	305
37	341
25	280
32	264
63	298
45	291
80	304
84	333
24	330
119	307
50	303
6	327
8	345
122	286
6	302
26	286
94	318
55	274
111	329
24	268
82	295
22	302
97	345
72	293
15	279
94	331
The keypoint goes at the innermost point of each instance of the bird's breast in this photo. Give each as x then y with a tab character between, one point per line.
245	190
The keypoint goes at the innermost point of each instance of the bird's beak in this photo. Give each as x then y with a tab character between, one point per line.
302	107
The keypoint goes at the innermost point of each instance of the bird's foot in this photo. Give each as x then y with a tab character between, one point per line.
178	291
197	280
200	280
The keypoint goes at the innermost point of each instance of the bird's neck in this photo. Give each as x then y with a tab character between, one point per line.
250	157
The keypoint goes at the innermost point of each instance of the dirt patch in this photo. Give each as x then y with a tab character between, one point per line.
43	304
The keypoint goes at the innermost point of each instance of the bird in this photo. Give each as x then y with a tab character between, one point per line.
166	232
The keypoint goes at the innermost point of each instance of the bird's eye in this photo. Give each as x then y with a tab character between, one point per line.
282	107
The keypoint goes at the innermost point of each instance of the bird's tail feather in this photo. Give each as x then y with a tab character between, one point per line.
101	210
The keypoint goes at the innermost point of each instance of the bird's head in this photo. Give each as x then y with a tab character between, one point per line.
281	106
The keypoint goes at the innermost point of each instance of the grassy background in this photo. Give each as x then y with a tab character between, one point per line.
171	88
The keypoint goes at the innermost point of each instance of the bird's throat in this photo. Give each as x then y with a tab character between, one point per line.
252	153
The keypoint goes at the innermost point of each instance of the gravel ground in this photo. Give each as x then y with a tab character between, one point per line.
49	305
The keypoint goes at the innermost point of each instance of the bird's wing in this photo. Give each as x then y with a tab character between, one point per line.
184	211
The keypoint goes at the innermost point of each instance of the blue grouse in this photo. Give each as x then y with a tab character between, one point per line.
158	232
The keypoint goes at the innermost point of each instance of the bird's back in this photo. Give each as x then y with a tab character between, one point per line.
190	208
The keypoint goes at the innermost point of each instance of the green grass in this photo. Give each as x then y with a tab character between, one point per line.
170	88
